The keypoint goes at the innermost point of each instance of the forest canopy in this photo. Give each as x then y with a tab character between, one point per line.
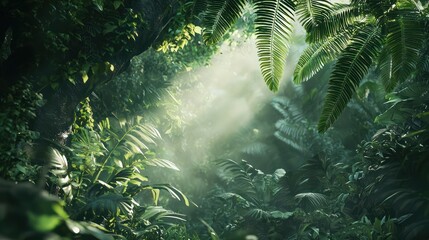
106	113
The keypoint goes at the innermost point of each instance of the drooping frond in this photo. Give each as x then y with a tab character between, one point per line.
159	215
292	134
162	163
219	17
385	67
196	7
274	20
258	214
311	12
349	70
174	192
240	174
312	200
404	40
109	203
336	21
317	55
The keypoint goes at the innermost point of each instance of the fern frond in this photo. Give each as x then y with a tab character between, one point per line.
258	214
158	215
162	163
219	17
109	204
174	192
274	23
318	55
404	41
311	12
349	70
314	200
339	18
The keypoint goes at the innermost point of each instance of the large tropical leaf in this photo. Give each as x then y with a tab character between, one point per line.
318	55
274	22
349	70
109	204
219	17
404	41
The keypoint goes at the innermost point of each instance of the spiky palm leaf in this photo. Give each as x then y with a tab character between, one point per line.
219	17
310	12
351	67
404	41
311	200
318	55
292	134
239	174
274	24
158	215
258	214
338	19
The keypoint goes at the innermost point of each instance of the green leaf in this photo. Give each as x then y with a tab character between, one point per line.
99	4
219	17
274	23
318	55
311	12
349	70
43	222
404	41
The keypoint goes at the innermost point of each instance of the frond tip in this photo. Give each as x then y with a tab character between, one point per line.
219	17
274	19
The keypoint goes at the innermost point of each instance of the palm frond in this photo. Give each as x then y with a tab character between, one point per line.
349	70
339	18
109	204
159	215
311	12
318	55
291	133
162	163
404	41
258	214
174	192
310	199
281	215
219	17
274	23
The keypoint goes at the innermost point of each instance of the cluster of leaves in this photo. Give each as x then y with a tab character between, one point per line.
358	35
79	50
18	109
394	172
107	182
30	213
